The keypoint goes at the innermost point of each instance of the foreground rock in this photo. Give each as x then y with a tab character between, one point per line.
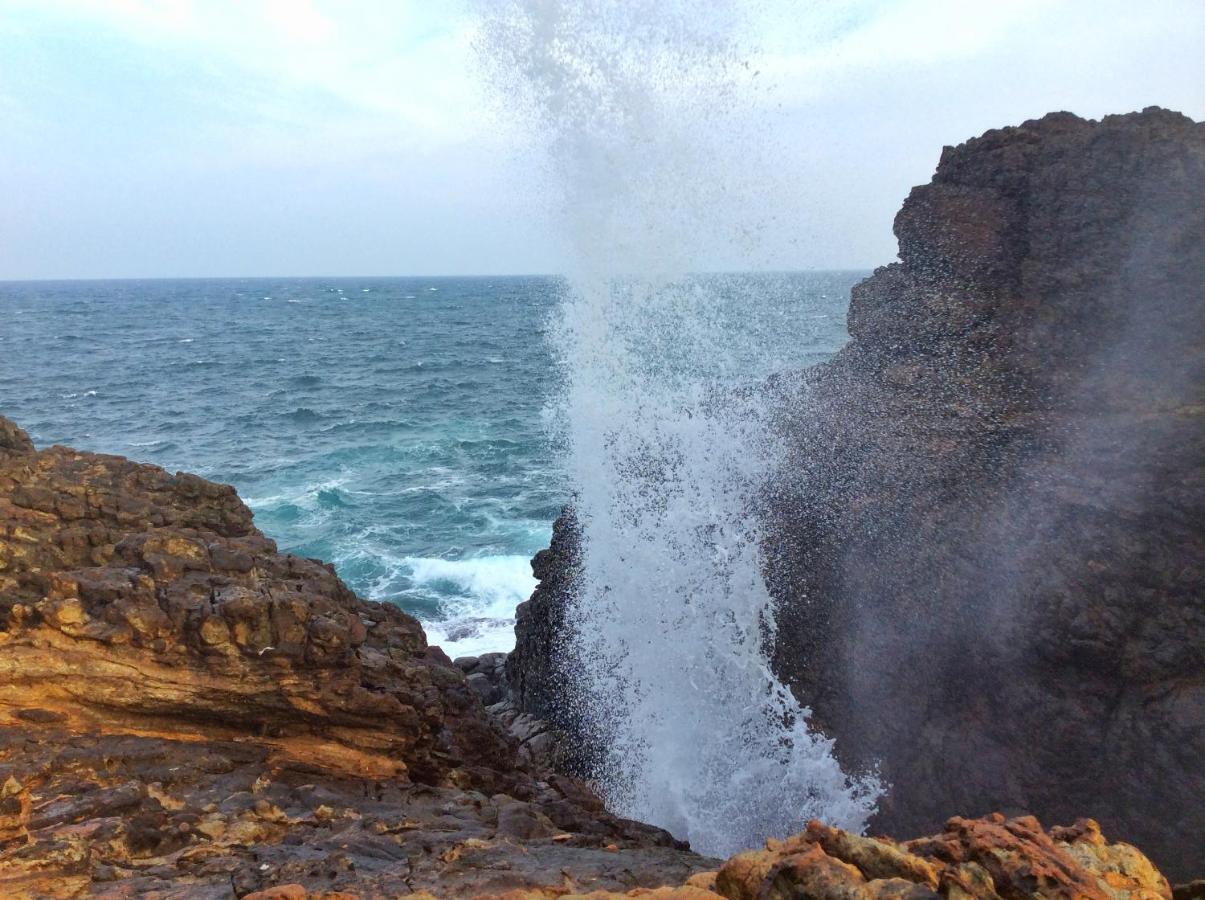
986	538
187	711
987	859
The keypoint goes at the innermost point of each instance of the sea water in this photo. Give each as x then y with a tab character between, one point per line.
396	427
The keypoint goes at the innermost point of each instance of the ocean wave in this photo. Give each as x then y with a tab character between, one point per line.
472	637
478	600
309	497
304	414
497	584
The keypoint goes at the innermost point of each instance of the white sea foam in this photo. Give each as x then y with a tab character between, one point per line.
640	106
304	498
478	597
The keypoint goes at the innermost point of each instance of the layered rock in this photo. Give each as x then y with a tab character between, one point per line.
985	539
188	711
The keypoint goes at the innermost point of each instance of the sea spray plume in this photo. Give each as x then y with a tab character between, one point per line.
639	108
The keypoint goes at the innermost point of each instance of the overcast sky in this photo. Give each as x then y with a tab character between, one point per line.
341	137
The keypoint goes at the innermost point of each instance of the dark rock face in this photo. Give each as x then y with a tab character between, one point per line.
987	541
187	711
536	683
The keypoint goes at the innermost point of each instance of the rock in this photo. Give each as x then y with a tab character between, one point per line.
986	550
489	691
993	857
537	683
492	662
186	710
540	672
13	439
985	543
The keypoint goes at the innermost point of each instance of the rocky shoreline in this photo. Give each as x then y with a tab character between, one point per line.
190	713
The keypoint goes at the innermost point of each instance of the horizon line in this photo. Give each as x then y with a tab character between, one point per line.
98	278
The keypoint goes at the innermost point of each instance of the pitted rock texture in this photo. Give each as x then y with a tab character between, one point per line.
987	541
188	713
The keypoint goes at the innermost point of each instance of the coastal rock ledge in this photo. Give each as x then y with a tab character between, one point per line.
188	713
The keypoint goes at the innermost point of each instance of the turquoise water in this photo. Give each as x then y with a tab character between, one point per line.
396	427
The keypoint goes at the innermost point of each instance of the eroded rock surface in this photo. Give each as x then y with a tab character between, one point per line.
189	713
988	538
992	858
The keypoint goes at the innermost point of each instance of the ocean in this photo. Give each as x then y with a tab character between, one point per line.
404	429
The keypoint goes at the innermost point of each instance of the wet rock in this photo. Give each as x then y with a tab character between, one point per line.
985	542
490	692
984	552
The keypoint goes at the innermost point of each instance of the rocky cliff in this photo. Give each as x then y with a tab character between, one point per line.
986	536
189	712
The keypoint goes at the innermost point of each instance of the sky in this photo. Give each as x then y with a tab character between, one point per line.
209	138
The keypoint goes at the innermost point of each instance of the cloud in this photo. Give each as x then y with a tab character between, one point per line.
287	136
395	67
